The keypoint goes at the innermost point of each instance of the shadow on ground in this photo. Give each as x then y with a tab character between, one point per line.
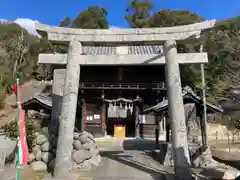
140	144
127	160
235	164
145	147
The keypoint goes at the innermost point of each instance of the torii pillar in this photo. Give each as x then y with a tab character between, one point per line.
176	112
68	112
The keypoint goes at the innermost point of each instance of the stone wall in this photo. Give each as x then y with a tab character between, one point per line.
85	153
221	127
219	132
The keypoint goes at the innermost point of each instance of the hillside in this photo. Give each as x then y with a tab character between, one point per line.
18	58
28	90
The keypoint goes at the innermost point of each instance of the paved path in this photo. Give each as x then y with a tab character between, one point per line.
128	165
128	160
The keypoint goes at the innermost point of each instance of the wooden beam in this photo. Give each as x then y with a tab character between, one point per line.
124	35
184	58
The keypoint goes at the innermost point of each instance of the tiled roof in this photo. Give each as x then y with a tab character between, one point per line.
41	99
111	50
233	103
186	92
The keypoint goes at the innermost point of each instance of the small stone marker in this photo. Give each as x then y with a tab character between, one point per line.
58	84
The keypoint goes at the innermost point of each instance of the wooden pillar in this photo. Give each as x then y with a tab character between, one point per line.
167	127
157	131
176	112
168	139
161	126
84	115
103	119
164	123
78	115
137	121
202	126
68	113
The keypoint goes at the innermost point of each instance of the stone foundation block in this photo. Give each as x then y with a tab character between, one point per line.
164	154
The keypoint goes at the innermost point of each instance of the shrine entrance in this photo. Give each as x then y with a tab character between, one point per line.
119	122
121	113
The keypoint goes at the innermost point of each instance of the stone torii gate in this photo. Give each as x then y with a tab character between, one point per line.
122	38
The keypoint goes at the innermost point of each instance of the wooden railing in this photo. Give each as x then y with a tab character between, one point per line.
123	86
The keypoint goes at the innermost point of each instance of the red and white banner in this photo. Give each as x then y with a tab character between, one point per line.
24	156
24	153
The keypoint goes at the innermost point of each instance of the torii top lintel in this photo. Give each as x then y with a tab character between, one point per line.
124	35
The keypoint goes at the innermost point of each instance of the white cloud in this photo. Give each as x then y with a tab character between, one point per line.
114	27
28	24
4	21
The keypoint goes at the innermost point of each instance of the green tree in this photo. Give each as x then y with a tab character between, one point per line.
139	13
221	42
94	17
168	18
222	71
66	22
19	54
223	46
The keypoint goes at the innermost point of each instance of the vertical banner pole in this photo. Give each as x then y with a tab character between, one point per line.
18	128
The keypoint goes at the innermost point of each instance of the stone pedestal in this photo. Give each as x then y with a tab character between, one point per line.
202	157
164	154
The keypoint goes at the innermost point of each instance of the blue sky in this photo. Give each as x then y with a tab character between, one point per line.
53	11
